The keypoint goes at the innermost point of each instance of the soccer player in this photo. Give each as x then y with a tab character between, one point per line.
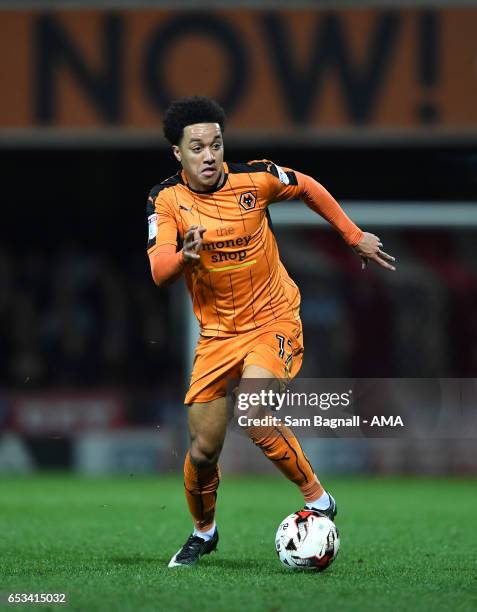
210	223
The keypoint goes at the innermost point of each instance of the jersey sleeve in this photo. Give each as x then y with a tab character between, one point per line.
166	264
287	184
322	202
161	223
279	183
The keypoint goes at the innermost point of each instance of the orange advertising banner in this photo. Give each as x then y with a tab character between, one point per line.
281	73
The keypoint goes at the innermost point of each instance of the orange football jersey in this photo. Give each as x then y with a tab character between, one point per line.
240	284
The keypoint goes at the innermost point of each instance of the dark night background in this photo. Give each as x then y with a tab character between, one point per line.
92	202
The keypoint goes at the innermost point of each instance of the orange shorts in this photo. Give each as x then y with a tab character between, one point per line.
277	347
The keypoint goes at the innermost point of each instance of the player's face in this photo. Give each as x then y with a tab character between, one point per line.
201	153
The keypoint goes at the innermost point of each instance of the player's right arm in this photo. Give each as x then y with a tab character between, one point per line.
167	263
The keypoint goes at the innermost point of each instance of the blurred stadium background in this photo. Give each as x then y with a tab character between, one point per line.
377	100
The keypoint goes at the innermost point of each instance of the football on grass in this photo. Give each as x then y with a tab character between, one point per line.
306	540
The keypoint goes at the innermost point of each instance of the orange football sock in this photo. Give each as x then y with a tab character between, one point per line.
281	446
201	486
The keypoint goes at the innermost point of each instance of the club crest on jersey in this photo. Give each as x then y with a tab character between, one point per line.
247	200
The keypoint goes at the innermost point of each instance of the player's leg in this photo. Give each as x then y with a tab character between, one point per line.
280	445
214	362
207	427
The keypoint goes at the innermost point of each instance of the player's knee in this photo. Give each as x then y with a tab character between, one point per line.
204	455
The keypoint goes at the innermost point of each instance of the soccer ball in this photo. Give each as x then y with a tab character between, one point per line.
306	540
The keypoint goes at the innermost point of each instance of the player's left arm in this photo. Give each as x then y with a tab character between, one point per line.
366	245
292	184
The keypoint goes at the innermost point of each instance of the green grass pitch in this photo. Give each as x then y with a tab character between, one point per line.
406	544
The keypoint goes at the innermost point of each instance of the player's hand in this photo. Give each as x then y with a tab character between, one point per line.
192	243
370	248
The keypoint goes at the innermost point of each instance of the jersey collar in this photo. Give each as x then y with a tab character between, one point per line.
213	189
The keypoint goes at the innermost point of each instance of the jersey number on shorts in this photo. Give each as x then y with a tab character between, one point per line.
281	350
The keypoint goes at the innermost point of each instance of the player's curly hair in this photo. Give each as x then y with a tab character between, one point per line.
190	110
